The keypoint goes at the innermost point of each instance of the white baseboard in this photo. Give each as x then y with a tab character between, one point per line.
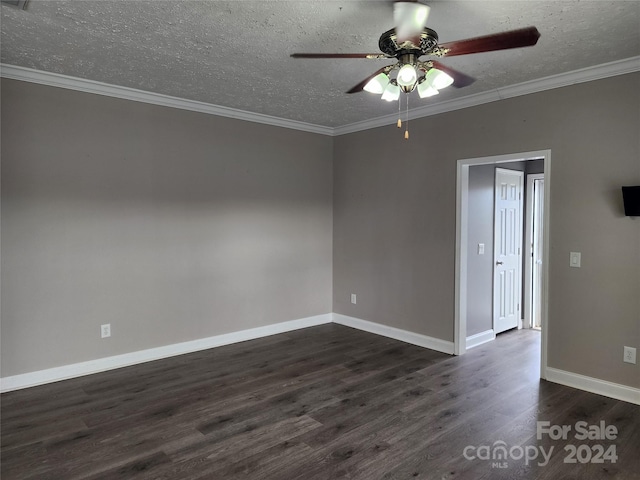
480	338
65	372
395	333
594	385
16	382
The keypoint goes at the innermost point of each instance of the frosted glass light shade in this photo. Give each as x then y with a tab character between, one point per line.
426	90
391	93
438	79
377	84
407	76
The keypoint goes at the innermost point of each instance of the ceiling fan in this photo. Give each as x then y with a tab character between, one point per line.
409	41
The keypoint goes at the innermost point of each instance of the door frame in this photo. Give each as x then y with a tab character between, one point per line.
528	264
462	207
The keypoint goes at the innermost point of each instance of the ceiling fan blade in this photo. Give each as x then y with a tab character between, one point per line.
459	79
359	87
338	55
524	37
410	18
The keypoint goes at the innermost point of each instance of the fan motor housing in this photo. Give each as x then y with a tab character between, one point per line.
389	46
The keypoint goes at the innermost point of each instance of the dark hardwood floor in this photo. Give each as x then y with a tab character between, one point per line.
322	403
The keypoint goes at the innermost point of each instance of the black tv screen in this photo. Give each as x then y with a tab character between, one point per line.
631	199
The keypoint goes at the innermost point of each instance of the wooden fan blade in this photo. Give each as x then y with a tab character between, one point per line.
359	87
410	18
459	79
524	37
338	55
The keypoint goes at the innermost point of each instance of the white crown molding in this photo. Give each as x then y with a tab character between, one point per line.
619	67
65	372
598	72
90	86
594	385
395	333
425	111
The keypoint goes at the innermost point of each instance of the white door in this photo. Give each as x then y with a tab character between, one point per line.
507	242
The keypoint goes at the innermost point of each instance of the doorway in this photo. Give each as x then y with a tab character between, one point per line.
462	246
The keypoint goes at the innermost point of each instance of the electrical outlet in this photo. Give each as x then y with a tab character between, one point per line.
105	330
353	298
629	355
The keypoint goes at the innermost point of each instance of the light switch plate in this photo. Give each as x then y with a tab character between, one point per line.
481	249
575	259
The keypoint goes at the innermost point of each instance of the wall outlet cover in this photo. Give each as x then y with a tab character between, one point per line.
629	355
105	330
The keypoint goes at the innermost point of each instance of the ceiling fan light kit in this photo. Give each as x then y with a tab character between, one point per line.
377	84
438	79
425	90
409	41
407	77
392	92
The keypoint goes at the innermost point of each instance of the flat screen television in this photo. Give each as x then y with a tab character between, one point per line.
631	199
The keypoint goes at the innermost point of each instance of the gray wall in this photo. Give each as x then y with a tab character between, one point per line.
394	218
173	225
480	267
170	225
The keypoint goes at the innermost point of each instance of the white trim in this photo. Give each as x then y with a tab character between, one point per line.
32	379
462	188
424	111
56	374
597	72
528	253
594	385
460	288
395	333
90	86
480	338
546	248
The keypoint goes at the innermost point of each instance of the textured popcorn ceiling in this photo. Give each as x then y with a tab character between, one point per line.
236	53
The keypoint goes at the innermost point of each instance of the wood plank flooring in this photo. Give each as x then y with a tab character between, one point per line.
322	403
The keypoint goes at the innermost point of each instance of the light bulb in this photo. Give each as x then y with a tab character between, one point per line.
407	76
391	93
438	79
377	84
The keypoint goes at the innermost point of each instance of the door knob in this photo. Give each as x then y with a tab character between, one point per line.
498	263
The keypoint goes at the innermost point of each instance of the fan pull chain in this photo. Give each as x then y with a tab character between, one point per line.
406	132
399	113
